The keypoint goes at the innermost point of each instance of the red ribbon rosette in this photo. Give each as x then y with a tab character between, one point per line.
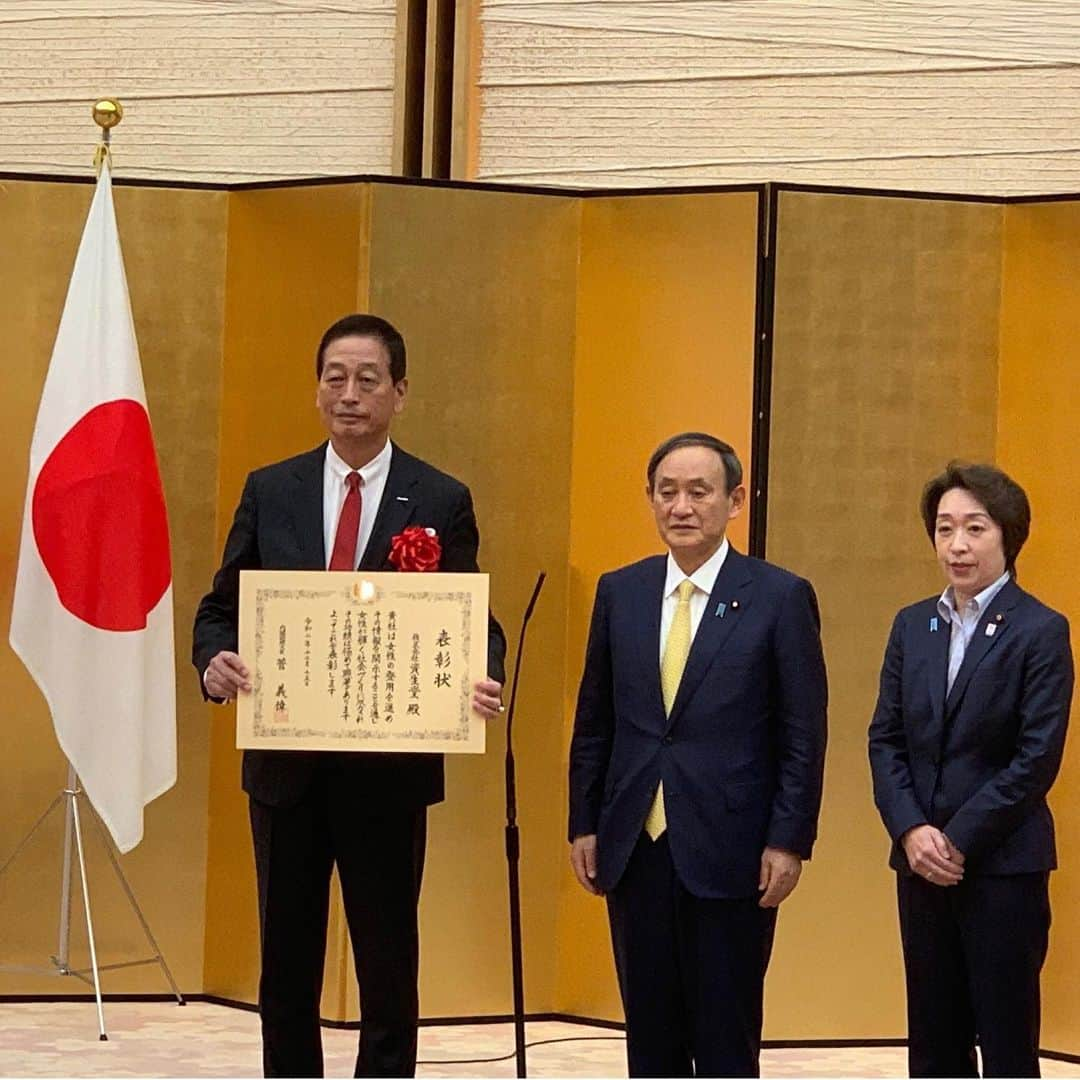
416	550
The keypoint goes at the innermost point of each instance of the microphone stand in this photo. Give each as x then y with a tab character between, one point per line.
513	848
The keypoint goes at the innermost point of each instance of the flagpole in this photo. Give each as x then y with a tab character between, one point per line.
107	113
73	818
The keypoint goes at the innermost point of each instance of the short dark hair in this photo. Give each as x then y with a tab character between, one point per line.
366	326
1004	499
732	464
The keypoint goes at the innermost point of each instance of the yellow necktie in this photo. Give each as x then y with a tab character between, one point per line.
676	650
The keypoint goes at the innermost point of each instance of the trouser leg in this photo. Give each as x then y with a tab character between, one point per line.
293	864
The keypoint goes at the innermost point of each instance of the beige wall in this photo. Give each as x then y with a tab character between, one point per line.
931	95
178	320
884	367
213	90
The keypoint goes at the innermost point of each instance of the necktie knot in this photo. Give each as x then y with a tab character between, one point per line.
686	590
352	481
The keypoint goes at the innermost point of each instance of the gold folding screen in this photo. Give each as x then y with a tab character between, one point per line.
553	341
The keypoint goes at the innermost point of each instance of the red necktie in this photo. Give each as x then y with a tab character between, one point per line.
348	528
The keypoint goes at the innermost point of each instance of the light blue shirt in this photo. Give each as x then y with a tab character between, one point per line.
963	623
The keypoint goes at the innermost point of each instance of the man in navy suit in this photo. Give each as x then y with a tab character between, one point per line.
338	507
696	768
965	742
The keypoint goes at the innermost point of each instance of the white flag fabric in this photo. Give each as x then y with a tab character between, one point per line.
92	618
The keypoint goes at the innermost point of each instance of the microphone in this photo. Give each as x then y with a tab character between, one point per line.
513	844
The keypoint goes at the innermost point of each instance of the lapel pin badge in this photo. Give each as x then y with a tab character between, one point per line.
402	498
999	618
721	608
933	625
990	628
734	605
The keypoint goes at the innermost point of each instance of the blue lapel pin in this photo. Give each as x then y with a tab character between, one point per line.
721	608
933	624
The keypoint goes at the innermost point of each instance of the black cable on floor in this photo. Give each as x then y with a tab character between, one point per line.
513	1053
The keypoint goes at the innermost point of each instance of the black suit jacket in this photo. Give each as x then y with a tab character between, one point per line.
742	752
977	764
279	526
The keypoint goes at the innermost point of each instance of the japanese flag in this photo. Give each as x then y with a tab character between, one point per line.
92	618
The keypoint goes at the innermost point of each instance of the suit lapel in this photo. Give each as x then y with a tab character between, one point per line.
306	506
398	505
647	628
726	607
938	666
996	615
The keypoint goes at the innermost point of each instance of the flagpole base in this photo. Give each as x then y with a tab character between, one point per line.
70	796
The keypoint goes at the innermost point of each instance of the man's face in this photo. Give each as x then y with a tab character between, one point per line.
356	397
969	543
690	503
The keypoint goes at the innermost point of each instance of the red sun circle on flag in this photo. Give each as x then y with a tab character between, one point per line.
99	518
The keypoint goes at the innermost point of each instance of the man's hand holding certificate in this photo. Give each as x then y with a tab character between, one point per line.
362	661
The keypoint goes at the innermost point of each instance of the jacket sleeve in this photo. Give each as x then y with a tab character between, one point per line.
217	617
894	788
996	808
594	724
460	546
801	725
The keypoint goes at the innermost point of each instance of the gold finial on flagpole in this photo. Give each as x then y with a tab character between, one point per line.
108	112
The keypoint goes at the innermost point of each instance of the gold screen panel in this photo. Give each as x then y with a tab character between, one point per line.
1037	423
665	343
178	317
482	285
296	262
884	367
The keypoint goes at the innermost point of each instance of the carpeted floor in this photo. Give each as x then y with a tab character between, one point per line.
155	1039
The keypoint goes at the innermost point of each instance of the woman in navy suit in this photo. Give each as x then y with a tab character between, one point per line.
965	742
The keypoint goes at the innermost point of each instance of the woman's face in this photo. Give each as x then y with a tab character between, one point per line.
969	543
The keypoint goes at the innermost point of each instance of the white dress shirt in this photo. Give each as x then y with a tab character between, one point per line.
703	579
372	484
962	623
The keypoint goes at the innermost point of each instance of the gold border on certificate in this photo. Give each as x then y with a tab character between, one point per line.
362	661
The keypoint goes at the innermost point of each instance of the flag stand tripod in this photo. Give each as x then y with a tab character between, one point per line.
73	845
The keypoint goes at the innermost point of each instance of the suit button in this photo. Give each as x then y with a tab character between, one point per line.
668	740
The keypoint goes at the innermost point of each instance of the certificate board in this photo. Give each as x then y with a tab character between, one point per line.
362	661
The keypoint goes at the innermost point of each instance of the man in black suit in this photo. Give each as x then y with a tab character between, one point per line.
338	507
696	768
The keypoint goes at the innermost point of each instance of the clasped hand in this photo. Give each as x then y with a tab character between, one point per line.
933	856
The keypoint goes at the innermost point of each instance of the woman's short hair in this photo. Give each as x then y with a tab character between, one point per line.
1004	499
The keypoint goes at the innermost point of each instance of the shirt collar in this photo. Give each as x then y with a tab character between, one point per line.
378	466
977	604
704	577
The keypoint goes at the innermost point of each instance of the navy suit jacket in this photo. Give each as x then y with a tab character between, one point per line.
741	754
977	764
279	526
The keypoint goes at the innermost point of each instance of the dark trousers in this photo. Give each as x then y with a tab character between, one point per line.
691	971
380	858
972	957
